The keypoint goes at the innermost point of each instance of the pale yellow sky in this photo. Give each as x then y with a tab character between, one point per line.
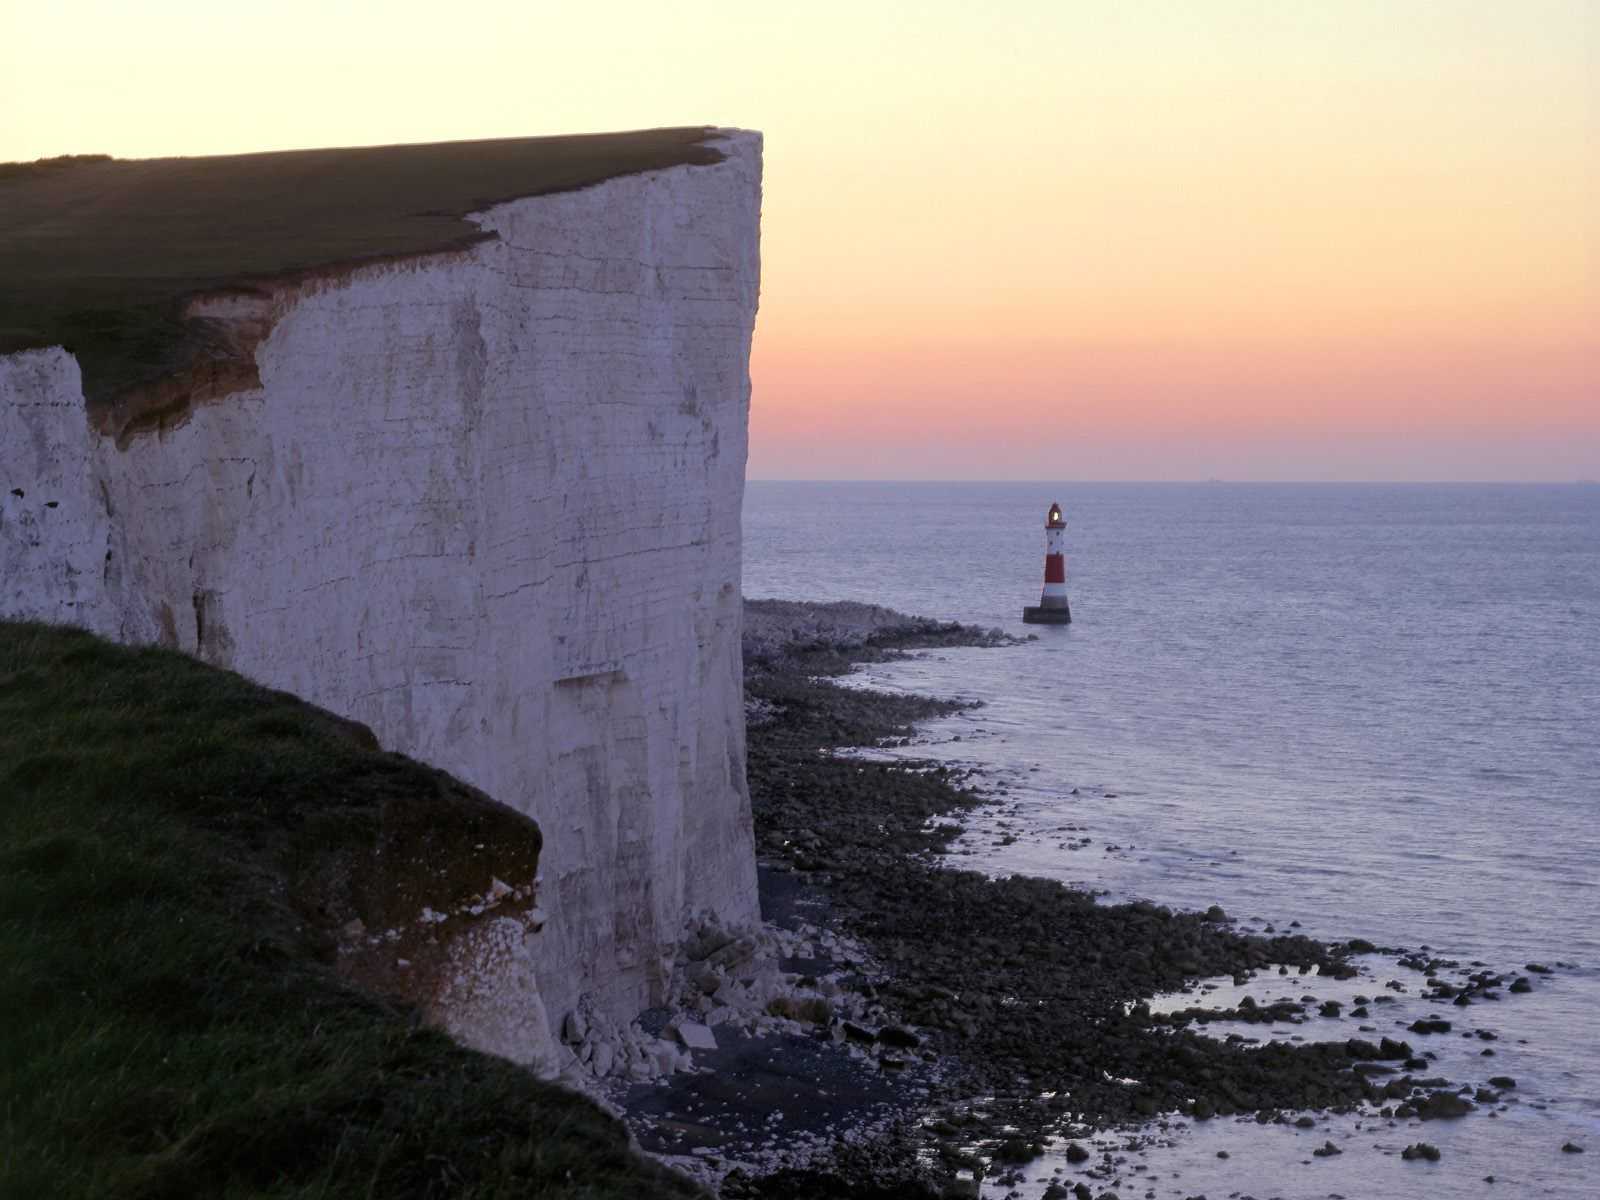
1312	224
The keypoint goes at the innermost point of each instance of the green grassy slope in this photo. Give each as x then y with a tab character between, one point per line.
97	254
172	1026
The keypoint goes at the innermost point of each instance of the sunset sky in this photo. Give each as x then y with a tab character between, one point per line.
1244	239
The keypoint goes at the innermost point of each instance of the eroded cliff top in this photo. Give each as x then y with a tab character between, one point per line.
100	255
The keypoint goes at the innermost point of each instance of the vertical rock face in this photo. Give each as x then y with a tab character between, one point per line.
486	502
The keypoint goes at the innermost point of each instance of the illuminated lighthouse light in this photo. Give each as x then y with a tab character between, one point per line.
1053	608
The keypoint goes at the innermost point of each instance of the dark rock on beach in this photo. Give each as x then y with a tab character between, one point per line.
1021	986
1442	1104
830	638
854	1172
1389	1048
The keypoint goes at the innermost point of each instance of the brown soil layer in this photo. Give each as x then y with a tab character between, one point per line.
101	255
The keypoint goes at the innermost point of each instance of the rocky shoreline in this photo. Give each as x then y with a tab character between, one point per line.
987	1017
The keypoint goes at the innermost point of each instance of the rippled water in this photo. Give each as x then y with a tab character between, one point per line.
1373	710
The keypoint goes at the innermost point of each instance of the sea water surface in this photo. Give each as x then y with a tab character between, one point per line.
1373	710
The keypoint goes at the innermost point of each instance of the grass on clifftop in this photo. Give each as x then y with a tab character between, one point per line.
172	1026
97	254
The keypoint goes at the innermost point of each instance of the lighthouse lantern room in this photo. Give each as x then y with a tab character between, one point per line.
1053	608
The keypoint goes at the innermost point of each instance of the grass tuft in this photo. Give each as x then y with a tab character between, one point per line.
99	255
173	1025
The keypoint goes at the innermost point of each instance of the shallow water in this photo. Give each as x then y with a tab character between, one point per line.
1368	709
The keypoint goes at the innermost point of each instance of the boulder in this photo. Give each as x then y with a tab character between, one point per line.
574	1028
696	1036
1444	1105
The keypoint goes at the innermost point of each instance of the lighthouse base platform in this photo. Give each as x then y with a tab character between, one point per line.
1033	615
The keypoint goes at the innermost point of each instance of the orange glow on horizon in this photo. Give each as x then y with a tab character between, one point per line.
1159	239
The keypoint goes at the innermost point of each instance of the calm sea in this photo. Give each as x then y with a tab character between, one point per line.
1374	710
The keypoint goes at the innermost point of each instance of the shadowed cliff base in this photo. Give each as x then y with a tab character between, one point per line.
102	255
182	854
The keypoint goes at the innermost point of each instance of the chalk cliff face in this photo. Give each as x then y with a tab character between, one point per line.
486	502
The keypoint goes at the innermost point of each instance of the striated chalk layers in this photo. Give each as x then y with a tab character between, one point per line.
486	502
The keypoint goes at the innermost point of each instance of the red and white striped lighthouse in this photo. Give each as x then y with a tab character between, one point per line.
1053	608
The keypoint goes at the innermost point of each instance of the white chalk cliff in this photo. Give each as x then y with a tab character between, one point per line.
486	502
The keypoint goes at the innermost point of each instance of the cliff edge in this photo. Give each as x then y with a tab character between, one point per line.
484	500
182	857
